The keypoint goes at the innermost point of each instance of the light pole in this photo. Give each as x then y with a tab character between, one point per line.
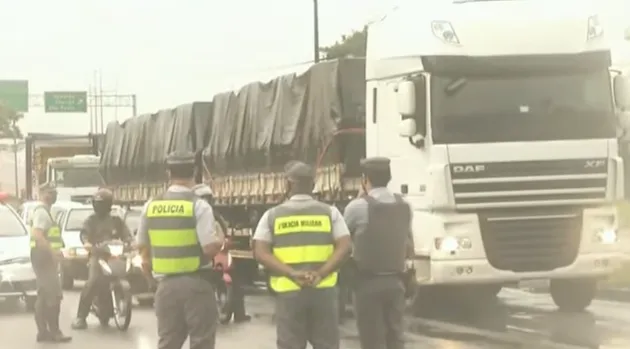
316	31
15	157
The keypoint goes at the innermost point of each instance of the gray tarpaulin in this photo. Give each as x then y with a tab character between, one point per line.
260	126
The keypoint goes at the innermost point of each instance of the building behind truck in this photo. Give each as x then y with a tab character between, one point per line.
499	119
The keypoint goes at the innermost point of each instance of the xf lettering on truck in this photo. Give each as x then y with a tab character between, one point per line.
469	168
594	163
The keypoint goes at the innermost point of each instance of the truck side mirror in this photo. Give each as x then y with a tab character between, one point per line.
621	85
406	98
407	128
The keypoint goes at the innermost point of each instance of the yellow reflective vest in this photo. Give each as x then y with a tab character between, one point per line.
302	238
172	228
53	235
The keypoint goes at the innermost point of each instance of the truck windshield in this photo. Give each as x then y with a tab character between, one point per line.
77	177
522	107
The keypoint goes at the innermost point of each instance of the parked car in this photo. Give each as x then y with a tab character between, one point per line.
17	279
75	261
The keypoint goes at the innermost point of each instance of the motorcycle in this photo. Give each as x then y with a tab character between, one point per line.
223	289
114	299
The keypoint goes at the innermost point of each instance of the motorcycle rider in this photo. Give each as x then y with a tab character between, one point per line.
100	226
238	301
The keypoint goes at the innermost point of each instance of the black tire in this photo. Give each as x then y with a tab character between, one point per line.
573	295
67	281
122	298
224	295
29	302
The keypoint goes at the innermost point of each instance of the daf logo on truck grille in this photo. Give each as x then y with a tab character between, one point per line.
594	163
469	168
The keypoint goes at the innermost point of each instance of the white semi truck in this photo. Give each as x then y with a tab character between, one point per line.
499	118
76	177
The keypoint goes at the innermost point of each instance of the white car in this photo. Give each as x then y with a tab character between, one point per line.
17	279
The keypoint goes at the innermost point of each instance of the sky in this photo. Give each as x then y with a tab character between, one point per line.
166	52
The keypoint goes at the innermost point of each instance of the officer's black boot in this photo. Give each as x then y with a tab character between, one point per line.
53	325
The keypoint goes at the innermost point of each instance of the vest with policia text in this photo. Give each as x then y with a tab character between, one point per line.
53	234
302	238
172	228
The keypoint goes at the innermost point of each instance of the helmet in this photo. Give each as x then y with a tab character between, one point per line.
103	200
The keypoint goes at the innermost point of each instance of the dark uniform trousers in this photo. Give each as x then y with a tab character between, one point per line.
185	306
379	253
49	291
379	305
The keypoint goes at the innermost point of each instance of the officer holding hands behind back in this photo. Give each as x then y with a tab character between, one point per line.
177	241
302	243
380	223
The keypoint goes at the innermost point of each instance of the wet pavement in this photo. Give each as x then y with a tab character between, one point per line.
518	319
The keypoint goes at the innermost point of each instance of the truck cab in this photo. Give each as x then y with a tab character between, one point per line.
501	124
76	177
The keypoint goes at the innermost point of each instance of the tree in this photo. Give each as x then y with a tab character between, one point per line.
8	123
352	45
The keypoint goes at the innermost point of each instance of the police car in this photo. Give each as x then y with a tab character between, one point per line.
17	279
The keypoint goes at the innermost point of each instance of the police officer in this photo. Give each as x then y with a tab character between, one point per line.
302	242
177	241
237	305
380	223
99	227
46	244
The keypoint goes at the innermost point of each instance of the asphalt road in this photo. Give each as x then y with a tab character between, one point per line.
531	316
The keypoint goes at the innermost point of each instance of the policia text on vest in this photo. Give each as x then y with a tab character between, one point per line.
173	234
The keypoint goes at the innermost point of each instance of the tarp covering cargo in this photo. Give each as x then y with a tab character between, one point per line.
256	129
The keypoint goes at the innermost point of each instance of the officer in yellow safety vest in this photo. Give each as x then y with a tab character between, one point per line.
46	245
302	242
177	241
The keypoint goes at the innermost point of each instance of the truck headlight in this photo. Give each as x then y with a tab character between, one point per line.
452	243
607	236
594	28
444	31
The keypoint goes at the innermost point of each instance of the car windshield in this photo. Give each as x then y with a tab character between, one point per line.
10	223
132	219
470	109
76	217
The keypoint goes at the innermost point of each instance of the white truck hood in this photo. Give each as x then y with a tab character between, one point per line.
528	151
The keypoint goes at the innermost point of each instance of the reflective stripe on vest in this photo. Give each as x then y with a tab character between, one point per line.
53	234
172	230
302	239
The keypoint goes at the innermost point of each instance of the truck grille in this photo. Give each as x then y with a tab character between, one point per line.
530	241
529	183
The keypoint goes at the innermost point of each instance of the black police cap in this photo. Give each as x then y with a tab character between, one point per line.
299	171
177	158
377	163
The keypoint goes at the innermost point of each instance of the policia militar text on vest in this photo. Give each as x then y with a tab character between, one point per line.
302	238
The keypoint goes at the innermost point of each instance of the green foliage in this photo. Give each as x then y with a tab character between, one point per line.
8	123
353	45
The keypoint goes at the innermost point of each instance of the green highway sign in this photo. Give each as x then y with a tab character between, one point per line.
14	94
65	102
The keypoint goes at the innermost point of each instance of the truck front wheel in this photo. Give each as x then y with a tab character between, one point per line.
573	295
